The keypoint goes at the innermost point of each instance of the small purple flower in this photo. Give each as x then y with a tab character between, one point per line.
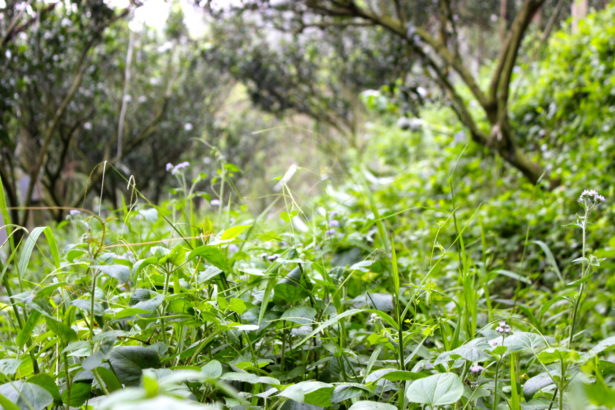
263	256
503	328
459	137
74	212
169	166
334	223
273	257
476	368
591	195
215	202
179	166
232	248
331	232
333	214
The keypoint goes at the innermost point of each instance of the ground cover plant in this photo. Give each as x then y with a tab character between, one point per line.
161	306
416	281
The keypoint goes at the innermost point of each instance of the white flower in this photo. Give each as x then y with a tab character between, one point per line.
188	126
591	195
179	166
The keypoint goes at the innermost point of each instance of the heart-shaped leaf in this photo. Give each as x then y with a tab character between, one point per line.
436	390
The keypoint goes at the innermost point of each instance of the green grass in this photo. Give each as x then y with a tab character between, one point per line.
351	303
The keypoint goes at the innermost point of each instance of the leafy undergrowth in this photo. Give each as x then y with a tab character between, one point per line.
347	308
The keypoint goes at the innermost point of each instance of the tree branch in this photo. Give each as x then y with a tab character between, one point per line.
508	54
13	29
439	48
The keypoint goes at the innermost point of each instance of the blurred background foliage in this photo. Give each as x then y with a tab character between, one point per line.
85	94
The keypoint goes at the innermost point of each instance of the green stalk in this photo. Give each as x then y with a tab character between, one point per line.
577	302
93	291
68	382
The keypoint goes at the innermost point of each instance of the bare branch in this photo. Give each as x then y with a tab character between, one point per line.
14	30
508	54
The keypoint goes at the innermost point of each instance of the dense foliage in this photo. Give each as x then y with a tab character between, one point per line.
421	281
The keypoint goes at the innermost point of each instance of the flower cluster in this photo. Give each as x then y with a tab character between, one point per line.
476	368
503	328
591	196
271	258
176	168
333	224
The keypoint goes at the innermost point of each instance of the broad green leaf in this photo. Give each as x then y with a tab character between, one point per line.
404	375
26	395
108	378
237	305
212	370
348	391
8	367
534	384
213	255
135	400
473	351
302	315
600	394
249	378
233	232
292	288
603	345
372	405
150	385
7	404
436	390
48	383
79	394
379	301
128	362
179	376
65	332
556	354
378	374
120	272
525	341
310	392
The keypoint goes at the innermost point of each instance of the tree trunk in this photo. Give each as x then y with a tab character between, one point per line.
503	22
